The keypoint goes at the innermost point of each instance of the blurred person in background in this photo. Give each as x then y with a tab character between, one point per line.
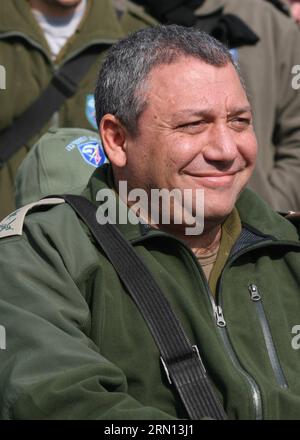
295	10
38	38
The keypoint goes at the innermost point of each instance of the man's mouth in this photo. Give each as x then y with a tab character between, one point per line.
213	180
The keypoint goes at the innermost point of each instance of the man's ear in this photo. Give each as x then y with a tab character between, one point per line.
114	138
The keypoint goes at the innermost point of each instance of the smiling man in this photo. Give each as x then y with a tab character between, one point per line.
195	132
173	115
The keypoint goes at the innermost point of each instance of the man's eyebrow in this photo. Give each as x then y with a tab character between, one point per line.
240	110
192	112
208	111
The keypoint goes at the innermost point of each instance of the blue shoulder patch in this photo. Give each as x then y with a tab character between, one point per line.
90	111
92	153
90	149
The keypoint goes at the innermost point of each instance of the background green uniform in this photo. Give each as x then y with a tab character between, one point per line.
29	68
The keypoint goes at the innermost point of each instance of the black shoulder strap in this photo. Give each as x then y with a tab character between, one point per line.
62	86
180	359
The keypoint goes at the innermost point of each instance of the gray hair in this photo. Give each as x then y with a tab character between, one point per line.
123	75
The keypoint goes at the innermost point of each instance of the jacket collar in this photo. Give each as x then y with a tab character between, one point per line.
17	19
99	24
101	183
257	216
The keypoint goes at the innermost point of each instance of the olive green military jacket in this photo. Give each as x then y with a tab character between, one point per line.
29	68
73	344
267	69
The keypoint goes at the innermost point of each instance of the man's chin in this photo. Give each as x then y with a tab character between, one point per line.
215	215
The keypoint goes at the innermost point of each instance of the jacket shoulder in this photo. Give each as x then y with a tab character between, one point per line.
255	212
13	224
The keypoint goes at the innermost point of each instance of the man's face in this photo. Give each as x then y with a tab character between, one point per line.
195	132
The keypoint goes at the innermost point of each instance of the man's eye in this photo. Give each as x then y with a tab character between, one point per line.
241	123
193	124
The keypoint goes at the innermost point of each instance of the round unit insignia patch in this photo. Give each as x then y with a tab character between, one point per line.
92	153
90	149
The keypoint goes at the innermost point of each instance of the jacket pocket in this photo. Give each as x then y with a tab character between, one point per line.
256	298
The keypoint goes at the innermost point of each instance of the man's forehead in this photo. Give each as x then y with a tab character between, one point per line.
186	73
187	62
190	87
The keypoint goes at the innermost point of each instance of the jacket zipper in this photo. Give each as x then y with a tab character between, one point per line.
256	395
218	316
255	297
222	329
219	319
253	386
217	312
254	389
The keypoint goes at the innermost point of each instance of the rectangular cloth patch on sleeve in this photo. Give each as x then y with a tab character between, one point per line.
13	223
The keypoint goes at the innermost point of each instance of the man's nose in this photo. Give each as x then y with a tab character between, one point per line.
222	146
